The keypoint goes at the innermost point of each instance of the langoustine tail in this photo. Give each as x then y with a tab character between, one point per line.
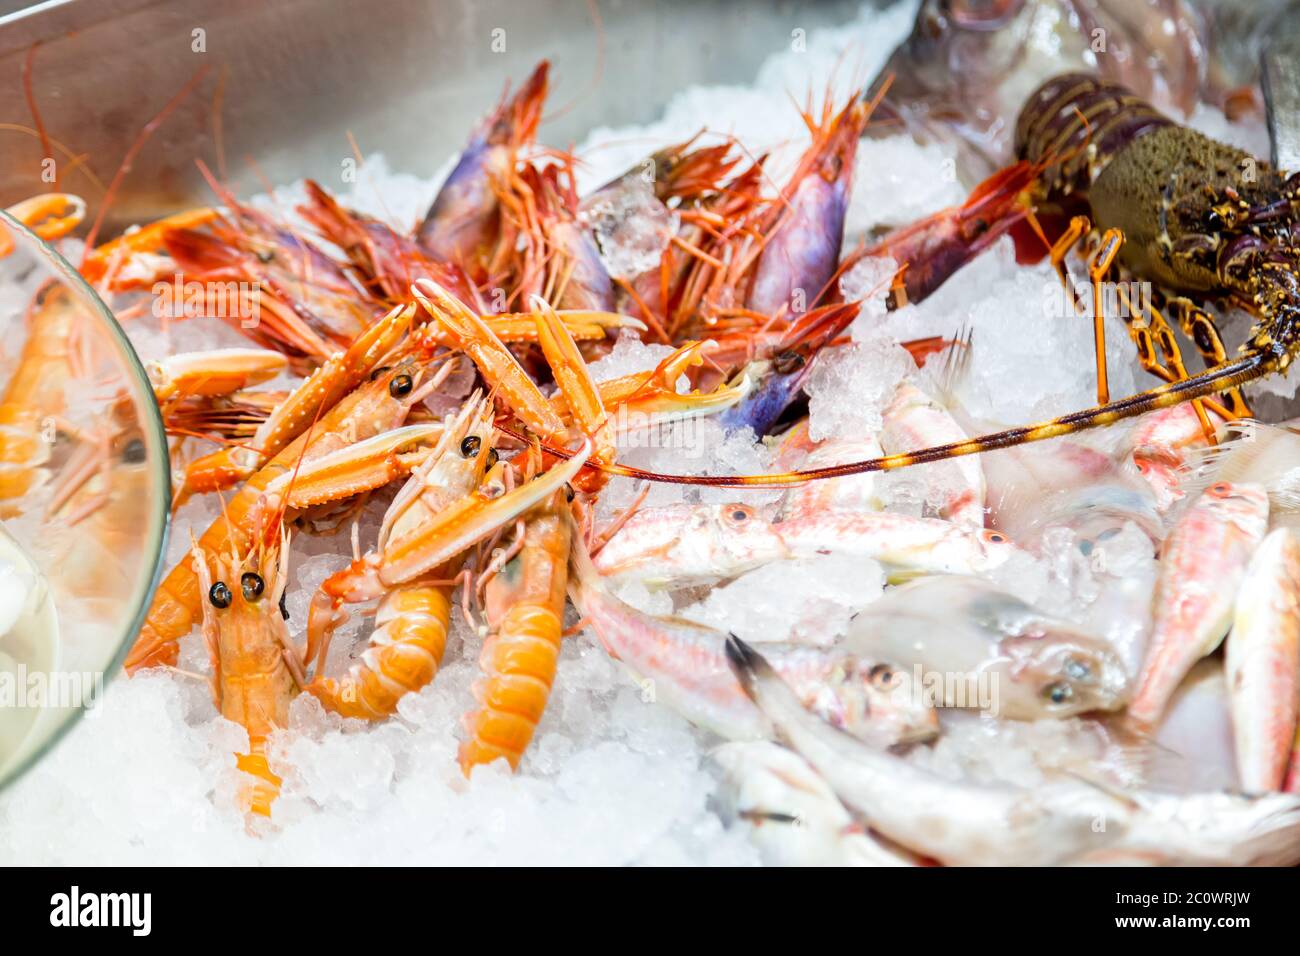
519	659
403	656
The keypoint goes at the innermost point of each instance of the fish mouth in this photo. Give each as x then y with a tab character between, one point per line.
918	732
1071	672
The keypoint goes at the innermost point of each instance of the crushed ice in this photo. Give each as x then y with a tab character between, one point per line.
610	777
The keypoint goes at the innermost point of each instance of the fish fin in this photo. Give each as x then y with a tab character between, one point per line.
585	575
1151	764
1247	441
747	664
1244	457
955	369
768	816
1229	460
1131	800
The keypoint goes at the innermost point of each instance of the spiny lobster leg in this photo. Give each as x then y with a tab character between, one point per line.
1147	328
1077	229
1158	331
1099	264
1198	325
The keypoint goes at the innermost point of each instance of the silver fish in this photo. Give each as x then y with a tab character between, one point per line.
955	822
992	648
793	815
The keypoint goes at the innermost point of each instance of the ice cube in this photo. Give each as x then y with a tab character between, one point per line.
631	226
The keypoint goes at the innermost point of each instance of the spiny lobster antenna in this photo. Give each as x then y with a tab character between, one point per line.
1255	364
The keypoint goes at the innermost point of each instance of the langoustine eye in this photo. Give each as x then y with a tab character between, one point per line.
219	595
252	585
401	386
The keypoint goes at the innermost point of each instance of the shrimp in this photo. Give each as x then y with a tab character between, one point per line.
248	641
502	371
36	394
212	373
644	401
447	506
411	623
541	248
322	390
801	243
138	258
305	304
49	215
675	172
375	407
782	374
384	260
99	502
462	224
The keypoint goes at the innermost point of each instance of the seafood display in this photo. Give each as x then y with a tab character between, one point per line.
586	457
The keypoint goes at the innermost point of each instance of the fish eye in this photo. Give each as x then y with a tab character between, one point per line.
569	493
881	675
470	445
252	585
1076	669
401	386
1059	692
995	537
739	513
1220	489
380	371
219	595
134	452
284	610
492	459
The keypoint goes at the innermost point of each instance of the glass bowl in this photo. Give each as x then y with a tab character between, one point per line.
84	498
